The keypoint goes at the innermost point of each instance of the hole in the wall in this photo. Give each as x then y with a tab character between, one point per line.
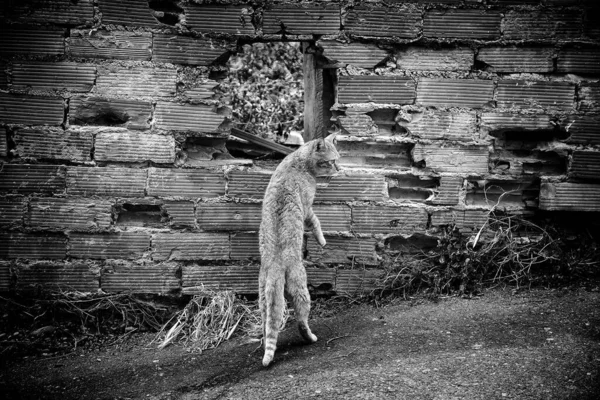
415	243
542	135
165	11
503	193
140	215
411	188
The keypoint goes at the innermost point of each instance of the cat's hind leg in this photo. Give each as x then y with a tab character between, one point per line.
298	292
273	306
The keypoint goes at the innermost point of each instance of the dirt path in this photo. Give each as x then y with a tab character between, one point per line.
533	345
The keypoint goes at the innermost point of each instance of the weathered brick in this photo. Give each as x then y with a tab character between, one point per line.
203	90
442	125
72	214
111	44
589	96
517	59
124	245
497	123
89	181
542	24
148	278
356	281
21	245
229	216
447	193
566	196
465	160
585	164
141	212
402	22
3	75
31	110
3	142
70	145
189	183
185	50
127	12
130	114
357	54
374	154
359	187
356	123
581	61
126	146
526	94
236	20
343	250
31	40
180	213
333	217
376	89
591	20
424	59
66	276
136	82
469	93
462	24
521	161
12	210
417	243
464	219
502	194
5	277
53	76
294	19
247	184
244	246
377	219
410	188
191	246
189	117
583	129
199	278
60	12
25	178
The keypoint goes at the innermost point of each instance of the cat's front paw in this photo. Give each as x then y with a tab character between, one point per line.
322	241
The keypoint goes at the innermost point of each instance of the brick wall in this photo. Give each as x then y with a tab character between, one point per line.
115	173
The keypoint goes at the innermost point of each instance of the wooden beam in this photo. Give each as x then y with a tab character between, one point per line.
238	133
314	126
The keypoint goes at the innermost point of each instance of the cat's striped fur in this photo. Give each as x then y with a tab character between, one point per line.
286	207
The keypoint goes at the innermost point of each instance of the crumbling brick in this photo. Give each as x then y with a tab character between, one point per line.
247	184
72	214
65	276
117	45
228	216
356	281
535	94
356	187
517	59
60	12
378	219
470	93
448	192
22	245
425	59
26	179
464	219
143	212
589	96
30	40
580	61
498	123
356	54
585	165
375	154
185	50
126	146
106	181
127	12
147	278
465	160
402	22
136	82
333	217
463	24
3	75
514	194
294	19
188	117
566	196
71	76
527	162
342	250
357	124
190	246
31	110
408	187
417	243
54	144
437	125
244	246
542	24
199	278
203	90
376	89
583	129
130	114
5	277
3	142
187	183
121	246
12	210
231	19
180	213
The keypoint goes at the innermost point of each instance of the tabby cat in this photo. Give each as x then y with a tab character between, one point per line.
286	207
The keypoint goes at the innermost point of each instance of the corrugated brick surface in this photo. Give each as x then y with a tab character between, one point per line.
219	18
363	187
228	216
53	76
425	59
584	129
124	245
131	114
202	91
585	164
514	194
244	246
54	144
589	96
112	45
411	187
44	247
463	24
24	178
320	278
127	12
3	142
374	155
187	117
582	61
501	122
106	181
5	277
302	20
526	94
31	110
12	210
185	50
247	184
58	11
357	54
180	213
373	219
357	124
72	214
20	39
66	277
567	196
127	146
464	220
333	217
190	183
448	191
198	278
356	281
137	82
3	75
454	92
529	162
518	59
191	246
403	22
376	89
443	125
342	250
467	160
147	278
542	24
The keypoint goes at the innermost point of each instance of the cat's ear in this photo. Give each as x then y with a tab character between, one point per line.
331	138
320	144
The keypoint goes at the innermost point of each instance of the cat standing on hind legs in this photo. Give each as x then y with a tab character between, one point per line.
287	205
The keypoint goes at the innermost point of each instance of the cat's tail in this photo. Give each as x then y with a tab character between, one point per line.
274	304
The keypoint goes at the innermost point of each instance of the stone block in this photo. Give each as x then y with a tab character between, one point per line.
403	22
517	59
32	178
54	144
229	19
64	277
464	160
291	19
187	183
121	246
190	246
228	216
32	246
376	89
31	40
469	93
436	125
31	110
127	146
244	246
12	210
542	24
147	278
583	129
189	118
567	196
384	220
342	250
127	12
462	24
180	213
247	184
106	181
585	165
356	187
71	214
118	45
425	59
186	50
537	94
136	82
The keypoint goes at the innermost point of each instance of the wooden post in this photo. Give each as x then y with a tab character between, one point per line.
314	126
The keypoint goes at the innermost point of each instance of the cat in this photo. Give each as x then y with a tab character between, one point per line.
287	205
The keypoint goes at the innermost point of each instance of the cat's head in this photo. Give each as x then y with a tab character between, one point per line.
324	156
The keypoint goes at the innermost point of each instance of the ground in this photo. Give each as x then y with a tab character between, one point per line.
538	344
